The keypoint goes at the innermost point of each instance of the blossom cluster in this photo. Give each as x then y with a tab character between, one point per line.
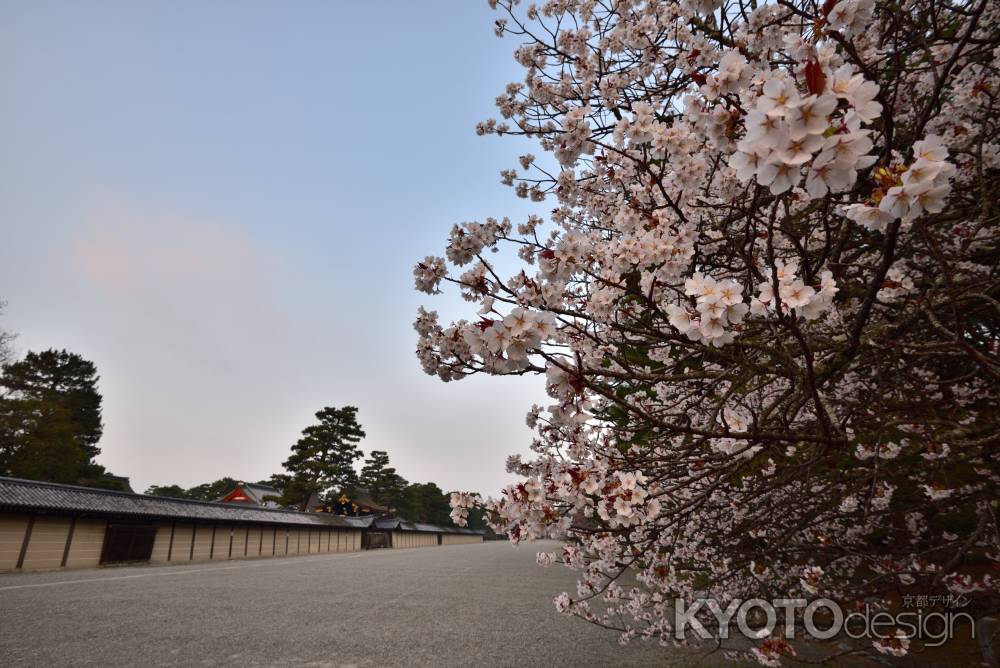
763	299
717	305
908	191
793	294
788	133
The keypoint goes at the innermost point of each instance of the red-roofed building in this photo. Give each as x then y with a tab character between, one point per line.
253	494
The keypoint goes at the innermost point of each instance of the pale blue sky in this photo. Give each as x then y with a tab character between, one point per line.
220	204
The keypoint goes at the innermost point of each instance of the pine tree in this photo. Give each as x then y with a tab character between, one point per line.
60	378
211	491
381	480
38	441
322	461
50	420
170	491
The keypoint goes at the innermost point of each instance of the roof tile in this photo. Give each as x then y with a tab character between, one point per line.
17	494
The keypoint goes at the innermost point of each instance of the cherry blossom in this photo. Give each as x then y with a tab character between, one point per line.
763	299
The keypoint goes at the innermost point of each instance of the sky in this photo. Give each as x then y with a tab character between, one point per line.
220	204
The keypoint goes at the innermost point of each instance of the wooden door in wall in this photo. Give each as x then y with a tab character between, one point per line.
126	542
373	540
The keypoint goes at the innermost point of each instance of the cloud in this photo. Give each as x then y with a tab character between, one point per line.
206	284
124	248
184	318
215	349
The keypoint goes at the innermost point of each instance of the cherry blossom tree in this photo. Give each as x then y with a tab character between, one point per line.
765	302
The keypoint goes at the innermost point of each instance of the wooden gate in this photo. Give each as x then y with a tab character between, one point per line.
128	542
372	540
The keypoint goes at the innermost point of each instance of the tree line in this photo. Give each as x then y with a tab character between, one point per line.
51	423
324	462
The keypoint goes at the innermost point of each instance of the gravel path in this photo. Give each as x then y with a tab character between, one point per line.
464	605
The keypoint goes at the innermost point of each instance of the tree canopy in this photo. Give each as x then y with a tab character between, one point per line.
50	420
39	441
172	491
425	502
322	460
63	378
381	481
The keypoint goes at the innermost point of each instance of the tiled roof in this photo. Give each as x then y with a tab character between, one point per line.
363	521
397	524
419	526
259	494
366	501
251	493
16	494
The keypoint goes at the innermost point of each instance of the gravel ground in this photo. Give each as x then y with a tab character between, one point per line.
464	605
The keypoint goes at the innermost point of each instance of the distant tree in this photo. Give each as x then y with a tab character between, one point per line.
384	485
477	520
38	441
211	491
375	471
172	491
63	378
322	461
95	475
280	481
409	506
6	339
425	502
